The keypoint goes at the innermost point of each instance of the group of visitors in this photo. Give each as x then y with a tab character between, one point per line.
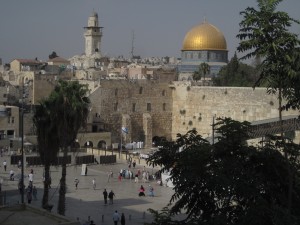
116	218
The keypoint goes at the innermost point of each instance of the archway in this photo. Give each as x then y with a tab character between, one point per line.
101	144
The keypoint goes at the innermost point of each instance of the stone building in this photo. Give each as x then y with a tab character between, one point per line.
144	107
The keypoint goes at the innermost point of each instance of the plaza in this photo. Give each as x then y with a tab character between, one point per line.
85	203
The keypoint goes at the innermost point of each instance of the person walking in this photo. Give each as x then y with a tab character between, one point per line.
116	217
76	181
151	191
133	164
122	219
29	194
111	197
4	165
105	196
94	184
34	193
136	178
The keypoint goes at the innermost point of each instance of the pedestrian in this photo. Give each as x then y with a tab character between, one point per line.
30	176
151	191
142	191
94	183
116	217
105	196
4	165
29	194
11	175
111	197
109	175
34	193
19	164
133	164
76	181
136	179
122	219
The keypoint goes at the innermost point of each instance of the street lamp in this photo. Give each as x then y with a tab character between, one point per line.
22	145
22	142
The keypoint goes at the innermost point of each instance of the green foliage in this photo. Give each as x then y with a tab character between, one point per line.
59	119
203	70
236	74
229	182
48	142
53	55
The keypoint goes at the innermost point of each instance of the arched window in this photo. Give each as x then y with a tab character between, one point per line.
164	106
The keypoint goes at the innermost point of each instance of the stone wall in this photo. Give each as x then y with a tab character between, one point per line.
195	106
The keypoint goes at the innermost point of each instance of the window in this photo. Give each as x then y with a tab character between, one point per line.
116	92
149	107
133	107
141	90
163	93
12	119
164	107
116	106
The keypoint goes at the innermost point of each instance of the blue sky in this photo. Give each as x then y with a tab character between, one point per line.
35	28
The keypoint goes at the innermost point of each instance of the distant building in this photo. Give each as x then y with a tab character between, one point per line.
203	43
58	61
20	65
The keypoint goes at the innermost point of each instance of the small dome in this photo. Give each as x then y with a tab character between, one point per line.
204	36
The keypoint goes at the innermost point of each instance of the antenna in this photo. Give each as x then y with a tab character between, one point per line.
132	44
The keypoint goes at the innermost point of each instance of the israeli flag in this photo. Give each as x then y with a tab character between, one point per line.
125	130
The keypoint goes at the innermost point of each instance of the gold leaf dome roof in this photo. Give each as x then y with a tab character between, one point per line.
204	36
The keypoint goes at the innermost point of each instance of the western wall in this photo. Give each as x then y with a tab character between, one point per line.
195	106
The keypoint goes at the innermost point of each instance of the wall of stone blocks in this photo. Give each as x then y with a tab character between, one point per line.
195	106
133	97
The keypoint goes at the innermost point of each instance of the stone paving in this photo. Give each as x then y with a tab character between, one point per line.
86	203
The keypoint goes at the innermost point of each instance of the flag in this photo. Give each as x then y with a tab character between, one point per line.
125	130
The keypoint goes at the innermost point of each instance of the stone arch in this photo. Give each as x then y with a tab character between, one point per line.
88	144
101	144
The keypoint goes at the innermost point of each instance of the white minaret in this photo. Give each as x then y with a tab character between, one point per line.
92	35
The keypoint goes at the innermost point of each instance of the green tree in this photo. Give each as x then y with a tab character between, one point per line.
236	74
264	33
203	70
228	182
48	145
53	55
71	110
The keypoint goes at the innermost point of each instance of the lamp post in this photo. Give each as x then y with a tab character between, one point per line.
22	146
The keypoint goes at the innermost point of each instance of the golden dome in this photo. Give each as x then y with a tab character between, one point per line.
204	37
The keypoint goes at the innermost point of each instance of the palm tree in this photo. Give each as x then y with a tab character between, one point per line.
264	33
71	111
48	145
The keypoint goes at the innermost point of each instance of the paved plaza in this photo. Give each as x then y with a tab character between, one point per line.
86	203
